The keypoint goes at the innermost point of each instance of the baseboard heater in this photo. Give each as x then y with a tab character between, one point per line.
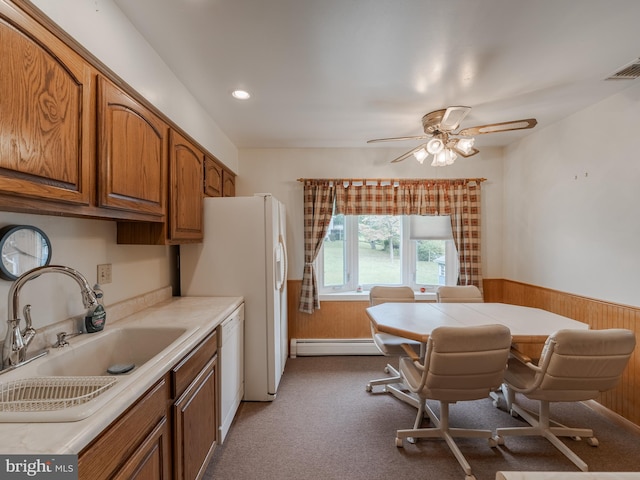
301	347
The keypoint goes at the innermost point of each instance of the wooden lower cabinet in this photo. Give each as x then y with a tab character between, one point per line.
150	461
195	425
169	433
195	409
135	444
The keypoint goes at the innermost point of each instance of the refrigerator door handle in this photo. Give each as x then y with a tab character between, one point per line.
285	262
281	263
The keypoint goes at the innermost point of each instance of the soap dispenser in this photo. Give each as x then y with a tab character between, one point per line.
96	316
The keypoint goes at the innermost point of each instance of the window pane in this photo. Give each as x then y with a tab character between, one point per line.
379	252
430	262
334	253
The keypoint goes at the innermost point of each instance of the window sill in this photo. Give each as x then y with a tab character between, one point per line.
364	296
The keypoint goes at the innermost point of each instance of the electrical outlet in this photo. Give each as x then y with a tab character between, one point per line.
104	273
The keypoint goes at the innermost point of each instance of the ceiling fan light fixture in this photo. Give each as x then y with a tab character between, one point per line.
435	145
443	158
450	157
465	145
420	155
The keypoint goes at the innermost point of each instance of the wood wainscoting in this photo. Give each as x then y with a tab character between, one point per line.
349	320
625	398
332	320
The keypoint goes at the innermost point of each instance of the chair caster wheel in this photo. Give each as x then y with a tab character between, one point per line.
593	441
399	443
368	388
495	441
386	370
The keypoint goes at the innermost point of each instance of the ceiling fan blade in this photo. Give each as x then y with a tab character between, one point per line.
452	118
394	139
404	156
499	127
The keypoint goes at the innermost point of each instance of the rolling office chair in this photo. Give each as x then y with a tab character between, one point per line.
575	365
460	364
459	294
390	345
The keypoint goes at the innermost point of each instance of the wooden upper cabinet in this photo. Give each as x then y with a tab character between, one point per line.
212	178
218	182
46	136
185	189
132	155
228	184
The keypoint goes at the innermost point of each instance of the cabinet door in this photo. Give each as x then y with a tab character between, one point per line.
229	184
46	139
212	178
196	425
151	460
132	156
186	209
136	441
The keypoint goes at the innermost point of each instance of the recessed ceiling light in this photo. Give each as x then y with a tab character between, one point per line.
241	94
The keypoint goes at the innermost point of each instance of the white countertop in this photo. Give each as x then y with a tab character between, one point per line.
200	315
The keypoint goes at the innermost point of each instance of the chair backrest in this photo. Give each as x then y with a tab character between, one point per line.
579	364
459	294
465	363
380	294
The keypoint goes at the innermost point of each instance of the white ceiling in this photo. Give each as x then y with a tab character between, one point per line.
335	73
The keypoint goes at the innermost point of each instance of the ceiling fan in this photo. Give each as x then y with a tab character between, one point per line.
445	144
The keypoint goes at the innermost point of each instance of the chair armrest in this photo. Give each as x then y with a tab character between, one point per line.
411	353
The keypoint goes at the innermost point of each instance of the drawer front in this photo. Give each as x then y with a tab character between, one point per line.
184	373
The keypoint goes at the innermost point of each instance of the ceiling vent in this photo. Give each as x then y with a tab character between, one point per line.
628	72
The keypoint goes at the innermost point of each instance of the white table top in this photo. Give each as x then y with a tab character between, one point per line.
415	321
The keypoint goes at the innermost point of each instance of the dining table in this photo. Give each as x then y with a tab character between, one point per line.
415	321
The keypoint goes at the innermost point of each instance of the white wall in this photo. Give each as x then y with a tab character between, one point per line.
103	30
84	244
276	171
572	192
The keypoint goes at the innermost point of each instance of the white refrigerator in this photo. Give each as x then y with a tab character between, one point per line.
244	254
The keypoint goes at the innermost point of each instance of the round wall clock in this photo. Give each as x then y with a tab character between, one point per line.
22	248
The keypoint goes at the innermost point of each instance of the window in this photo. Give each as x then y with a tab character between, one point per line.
367	250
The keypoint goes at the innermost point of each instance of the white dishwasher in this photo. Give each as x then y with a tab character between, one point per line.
231	361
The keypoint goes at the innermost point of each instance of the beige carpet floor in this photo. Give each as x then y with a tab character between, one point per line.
323	425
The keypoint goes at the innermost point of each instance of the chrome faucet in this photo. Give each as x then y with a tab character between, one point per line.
14	349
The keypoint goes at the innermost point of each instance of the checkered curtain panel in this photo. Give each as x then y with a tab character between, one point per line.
464	202
319	197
